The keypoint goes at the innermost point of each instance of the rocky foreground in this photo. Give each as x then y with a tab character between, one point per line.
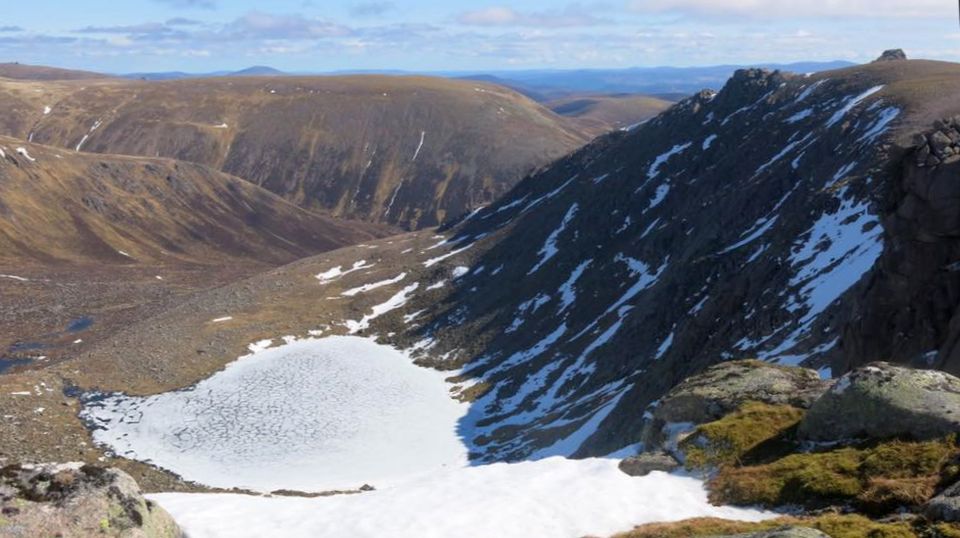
74	500
874	453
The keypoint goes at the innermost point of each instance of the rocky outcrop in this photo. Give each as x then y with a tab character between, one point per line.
946	506
723	388
648	462
941	146
785	532
77	500
891	55
882	401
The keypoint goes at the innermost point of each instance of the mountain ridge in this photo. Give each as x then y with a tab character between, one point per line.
407	151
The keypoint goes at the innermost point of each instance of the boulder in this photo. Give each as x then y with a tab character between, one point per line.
891	55
940	144
723	388
785	532
648	462
946	506
881	401
78	500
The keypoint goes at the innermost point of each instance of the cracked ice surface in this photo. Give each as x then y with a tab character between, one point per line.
313	415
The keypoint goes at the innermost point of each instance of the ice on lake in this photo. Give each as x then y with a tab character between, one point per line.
312	415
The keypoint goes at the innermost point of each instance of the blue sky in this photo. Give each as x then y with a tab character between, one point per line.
428	35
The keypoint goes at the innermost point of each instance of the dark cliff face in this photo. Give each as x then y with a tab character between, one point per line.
737	224
908	311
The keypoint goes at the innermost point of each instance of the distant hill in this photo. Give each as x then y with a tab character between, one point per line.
407	151
546	84
36	72
602	113
257	71
253	71
551	84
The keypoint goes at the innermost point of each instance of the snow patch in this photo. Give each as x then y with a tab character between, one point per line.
369	287
560	498
662	159
549	248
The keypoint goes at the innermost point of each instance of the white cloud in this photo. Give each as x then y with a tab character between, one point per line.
785	9
571	16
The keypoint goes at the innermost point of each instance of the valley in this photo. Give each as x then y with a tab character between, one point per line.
375	305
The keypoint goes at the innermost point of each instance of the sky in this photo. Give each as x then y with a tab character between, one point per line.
126	36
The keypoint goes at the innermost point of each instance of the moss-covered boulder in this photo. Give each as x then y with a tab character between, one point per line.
78	500
882	401
754	432
724	388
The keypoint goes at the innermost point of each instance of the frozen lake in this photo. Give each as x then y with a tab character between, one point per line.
313	415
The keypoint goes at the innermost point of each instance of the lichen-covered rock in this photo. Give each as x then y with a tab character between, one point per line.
946	506
74	500
882	400
785	532
723	388
648	462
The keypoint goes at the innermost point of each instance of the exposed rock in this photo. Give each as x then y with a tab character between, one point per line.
648	462
891	55
785	532
946	506
78	500
940	144
882	400
723	388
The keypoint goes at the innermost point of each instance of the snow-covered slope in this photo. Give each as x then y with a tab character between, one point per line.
553	498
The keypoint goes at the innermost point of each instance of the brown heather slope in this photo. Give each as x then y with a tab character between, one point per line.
111	239
598	114
20	71
348	145
64	207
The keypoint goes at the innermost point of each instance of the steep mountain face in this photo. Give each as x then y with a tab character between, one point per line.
409	151
785	218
